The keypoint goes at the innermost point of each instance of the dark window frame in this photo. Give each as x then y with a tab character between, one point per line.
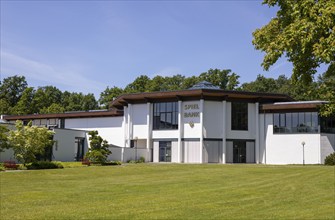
165	116
296	122
239	116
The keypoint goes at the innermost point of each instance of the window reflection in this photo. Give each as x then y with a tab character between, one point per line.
301	122
165	116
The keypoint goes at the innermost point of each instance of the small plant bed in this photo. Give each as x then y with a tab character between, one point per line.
86	162
141	160
10	165
111	163
44	165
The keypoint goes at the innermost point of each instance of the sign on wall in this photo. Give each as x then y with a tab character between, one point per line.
191	113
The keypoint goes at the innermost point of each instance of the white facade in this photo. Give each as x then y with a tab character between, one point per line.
199	130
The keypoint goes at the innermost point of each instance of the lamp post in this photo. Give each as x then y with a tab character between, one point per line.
303	152
135	139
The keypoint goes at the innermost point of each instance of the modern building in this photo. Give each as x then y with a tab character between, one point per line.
203	124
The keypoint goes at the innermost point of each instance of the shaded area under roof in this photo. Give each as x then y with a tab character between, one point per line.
197	94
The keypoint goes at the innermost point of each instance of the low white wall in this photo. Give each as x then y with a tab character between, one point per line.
287	148
327	145
65	147
7	155
192	151
109	128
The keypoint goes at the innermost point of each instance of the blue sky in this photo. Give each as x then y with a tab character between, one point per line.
85	46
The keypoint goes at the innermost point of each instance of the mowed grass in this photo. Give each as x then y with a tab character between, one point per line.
170	191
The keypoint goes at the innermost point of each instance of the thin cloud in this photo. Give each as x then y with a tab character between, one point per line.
12	64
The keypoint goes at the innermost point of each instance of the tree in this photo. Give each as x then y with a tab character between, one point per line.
89	102
98	151
4	142
29	141
302	30
25	104
11	89
45	96
53	108
140	84
305	32
221	78
108	95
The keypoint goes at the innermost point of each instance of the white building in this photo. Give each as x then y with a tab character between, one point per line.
201	125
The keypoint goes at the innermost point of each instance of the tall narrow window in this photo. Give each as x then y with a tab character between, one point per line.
165	116
239	116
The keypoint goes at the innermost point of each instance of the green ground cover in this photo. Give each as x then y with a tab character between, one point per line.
170	191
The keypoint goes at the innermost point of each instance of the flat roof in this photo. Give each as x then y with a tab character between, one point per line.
291	106
86	114
197	94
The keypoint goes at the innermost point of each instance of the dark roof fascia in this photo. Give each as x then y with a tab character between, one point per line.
275	108
64	115
196	94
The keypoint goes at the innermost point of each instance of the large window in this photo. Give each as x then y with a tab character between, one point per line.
165	116
328	125
297	122
239	116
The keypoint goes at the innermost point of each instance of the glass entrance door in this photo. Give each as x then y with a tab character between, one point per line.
165	151
239	151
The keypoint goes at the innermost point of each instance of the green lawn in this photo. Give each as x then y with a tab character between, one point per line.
170	191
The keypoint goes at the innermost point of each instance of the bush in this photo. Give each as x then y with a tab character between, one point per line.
131	161
2	168
44	165
141	160
330	159
111	163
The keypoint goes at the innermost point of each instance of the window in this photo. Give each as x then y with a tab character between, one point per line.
239	116
301	122
328	125
165	116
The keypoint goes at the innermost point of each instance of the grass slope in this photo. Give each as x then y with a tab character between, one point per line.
170	191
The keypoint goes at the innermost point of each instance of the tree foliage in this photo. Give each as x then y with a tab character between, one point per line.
4	142
29	141
99	148
302	30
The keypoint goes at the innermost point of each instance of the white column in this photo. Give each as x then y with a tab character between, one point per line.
149	122
130	124
257	133
201	128
224	133
180	131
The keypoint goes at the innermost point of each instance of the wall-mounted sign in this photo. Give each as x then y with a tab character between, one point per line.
191	113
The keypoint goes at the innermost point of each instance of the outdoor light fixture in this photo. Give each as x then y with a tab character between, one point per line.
135	140
303	152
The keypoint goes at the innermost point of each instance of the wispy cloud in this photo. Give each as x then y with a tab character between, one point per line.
12	64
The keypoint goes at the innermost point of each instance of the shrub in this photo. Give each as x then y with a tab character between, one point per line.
330	159
2	168
44	165
141	160
131	161
111	163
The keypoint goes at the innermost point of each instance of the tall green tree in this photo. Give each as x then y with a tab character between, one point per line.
224	79
89	102
108	95
140	84
45	96
29	141
303	31
25	104
11	89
